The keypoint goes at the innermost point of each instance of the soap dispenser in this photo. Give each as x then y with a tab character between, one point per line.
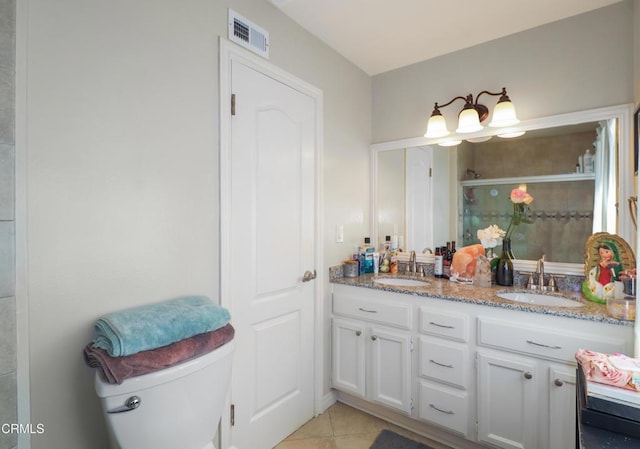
588	162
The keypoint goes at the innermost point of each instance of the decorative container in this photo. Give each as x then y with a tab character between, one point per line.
623	309
350	268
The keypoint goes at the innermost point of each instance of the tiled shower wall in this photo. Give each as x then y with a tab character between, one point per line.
8	390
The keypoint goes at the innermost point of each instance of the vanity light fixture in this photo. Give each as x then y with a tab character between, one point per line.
472	115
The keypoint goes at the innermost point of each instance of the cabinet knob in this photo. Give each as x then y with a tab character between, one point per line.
528	375
374	337
358	333
558	383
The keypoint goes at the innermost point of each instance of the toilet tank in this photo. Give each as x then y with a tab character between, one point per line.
179	407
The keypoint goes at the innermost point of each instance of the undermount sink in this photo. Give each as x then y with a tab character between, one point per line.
539	299
400	282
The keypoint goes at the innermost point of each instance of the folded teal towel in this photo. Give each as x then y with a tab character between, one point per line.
156	325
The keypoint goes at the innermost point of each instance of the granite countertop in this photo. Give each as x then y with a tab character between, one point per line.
445	289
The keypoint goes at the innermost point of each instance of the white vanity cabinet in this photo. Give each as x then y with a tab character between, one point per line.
444	369
372	347
526	377
469	375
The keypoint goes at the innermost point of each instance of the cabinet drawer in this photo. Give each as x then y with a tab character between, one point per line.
444	407
542	342
443	361
453	326
390	312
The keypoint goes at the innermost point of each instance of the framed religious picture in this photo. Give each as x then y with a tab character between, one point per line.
608	259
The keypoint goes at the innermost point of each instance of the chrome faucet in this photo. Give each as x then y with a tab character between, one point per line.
411	266
540	272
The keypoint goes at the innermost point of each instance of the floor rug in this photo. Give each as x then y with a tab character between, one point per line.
390	440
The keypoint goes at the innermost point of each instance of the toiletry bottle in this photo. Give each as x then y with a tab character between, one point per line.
376	262
356	257
366	256
394	242
446	261
438	265
386	246
588	162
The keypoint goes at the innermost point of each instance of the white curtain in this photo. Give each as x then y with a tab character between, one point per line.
604	207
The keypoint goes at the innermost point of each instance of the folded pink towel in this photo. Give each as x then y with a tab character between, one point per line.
617	370
116	369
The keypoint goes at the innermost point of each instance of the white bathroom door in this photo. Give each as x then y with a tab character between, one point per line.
271	234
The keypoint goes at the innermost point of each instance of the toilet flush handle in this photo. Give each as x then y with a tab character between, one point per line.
130	404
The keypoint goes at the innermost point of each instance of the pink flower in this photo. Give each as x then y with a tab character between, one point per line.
520	196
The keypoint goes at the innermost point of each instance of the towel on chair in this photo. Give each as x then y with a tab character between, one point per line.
116	369
156	325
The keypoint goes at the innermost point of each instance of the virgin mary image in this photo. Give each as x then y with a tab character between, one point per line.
607	256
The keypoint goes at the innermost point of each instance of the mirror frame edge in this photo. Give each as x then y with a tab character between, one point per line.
624	114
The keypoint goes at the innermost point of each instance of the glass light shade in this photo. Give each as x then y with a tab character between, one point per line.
512	134
468	121
450	143
436	127
478	139
504	114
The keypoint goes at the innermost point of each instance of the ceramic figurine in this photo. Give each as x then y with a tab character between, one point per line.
607	258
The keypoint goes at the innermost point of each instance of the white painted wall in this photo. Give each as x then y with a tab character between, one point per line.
121	150
574	64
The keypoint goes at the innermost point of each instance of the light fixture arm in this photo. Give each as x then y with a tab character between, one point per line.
483	111
472	115
437	106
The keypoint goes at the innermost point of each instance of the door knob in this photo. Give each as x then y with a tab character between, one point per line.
308	276
558	383
528	375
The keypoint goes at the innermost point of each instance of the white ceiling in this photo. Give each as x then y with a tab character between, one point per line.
382	35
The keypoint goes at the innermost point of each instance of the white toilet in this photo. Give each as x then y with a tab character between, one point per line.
175	408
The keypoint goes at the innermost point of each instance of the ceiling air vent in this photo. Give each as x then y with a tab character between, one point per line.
248	34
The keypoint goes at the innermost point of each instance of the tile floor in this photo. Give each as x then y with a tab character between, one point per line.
344	427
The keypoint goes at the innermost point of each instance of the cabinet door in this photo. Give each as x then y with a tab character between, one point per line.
507	401
390	366
562	406
348	372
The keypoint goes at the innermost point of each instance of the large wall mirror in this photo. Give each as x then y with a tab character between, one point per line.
430	194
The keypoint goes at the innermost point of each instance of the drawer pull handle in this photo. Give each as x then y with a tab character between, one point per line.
528	375
448	412
441	325
368	311
558	383
440	364
543	345
374	337
358	333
